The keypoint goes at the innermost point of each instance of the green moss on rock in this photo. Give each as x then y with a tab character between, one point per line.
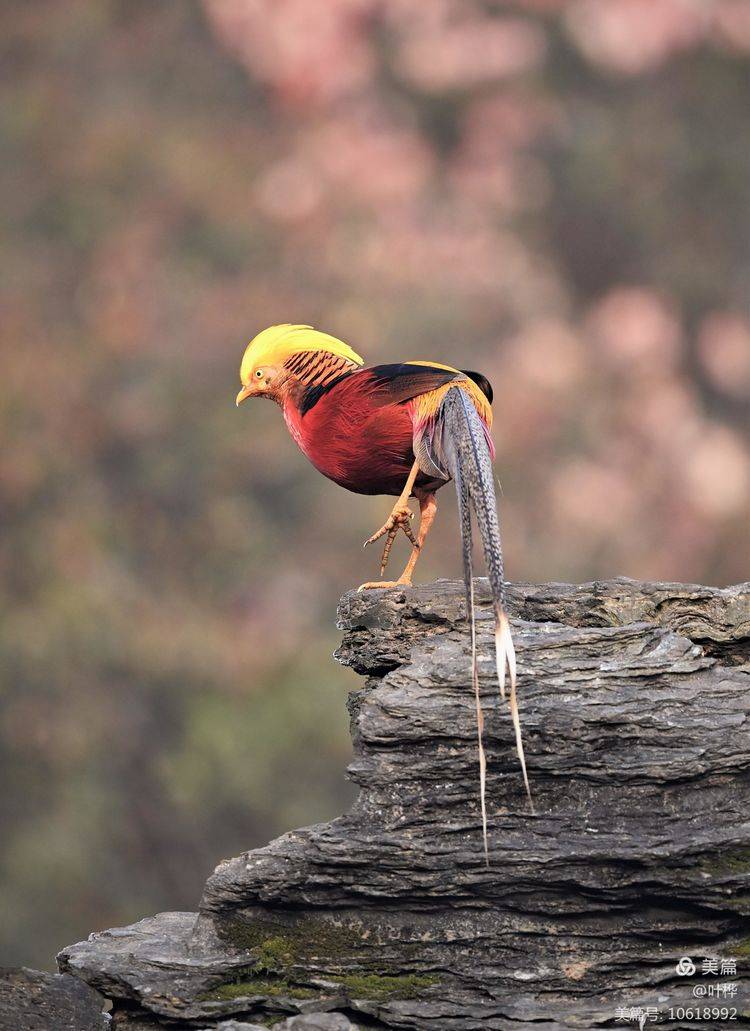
247	935
739	903
738	861
735	861
280	946
275	954
386	986
258	986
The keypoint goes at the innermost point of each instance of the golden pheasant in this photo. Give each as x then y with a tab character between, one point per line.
404	429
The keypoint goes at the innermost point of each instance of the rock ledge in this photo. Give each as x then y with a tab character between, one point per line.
635	703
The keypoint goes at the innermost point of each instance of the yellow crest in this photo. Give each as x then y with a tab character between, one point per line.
277	343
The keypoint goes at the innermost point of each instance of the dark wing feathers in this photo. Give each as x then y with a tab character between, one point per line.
400	382
395	383
405	381
384	384
482	382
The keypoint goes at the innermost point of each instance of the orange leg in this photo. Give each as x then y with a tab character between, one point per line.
399	519
427	509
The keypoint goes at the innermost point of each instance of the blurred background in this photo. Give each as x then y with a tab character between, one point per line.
555	193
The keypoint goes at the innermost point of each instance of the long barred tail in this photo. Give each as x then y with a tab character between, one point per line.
464	451
464	510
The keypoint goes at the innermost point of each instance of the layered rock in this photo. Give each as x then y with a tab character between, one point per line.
33	1000
635	704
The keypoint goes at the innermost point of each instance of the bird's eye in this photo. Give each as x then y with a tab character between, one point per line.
259	373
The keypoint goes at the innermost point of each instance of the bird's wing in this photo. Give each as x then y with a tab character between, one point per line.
403	381
382	385
423	386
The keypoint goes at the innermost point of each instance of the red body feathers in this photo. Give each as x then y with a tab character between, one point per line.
359	431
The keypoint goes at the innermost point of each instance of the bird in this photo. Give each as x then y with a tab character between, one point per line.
402	429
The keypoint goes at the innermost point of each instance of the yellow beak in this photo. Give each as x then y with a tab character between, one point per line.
244	394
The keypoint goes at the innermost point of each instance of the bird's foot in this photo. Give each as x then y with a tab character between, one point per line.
399	519
384	584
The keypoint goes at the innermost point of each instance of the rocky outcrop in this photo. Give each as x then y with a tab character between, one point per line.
32	1000
635	703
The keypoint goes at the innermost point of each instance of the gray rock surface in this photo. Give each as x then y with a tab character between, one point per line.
32	1000
303	1022
635	703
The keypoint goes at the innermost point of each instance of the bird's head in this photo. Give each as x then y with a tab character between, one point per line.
266	367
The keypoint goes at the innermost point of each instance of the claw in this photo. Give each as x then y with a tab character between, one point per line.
387	549
384	584
398	519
